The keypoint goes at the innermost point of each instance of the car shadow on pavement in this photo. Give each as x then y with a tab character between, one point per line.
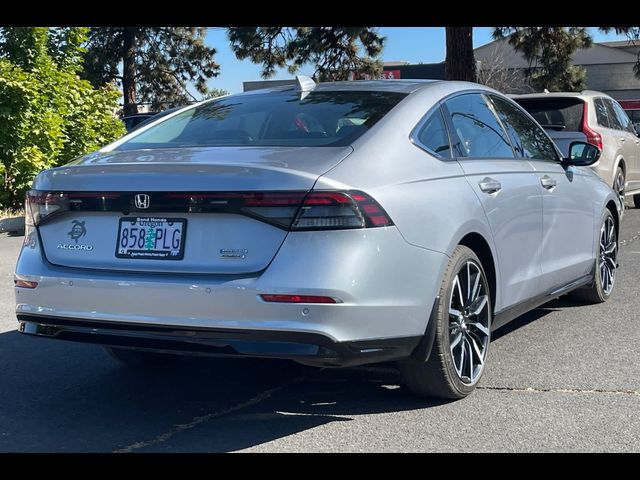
60	396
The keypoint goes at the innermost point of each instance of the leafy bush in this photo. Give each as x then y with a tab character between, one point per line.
48	115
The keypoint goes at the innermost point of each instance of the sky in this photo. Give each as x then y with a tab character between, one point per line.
410	44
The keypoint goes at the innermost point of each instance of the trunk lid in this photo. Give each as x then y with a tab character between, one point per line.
200	186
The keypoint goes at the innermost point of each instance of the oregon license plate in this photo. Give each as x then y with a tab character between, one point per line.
151	238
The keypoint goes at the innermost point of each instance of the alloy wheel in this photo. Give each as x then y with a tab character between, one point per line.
469	322
608	255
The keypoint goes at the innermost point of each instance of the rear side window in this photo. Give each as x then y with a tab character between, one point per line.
478	129
528	139
614	121
555	112
433	135
622	117
602	114
322	118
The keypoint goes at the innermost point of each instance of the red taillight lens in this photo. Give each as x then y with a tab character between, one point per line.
297	299
592	137
339	210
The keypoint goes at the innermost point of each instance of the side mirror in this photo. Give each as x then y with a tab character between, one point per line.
582	154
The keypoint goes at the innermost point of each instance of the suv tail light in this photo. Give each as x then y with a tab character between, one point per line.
315	210
592	137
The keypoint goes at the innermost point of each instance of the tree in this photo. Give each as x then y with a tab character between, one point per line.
214	93
493	72
549	51
48	114
335	51
157	63
459	63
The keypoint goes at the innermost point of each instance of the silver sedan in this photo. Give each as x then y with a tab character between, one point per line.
333	224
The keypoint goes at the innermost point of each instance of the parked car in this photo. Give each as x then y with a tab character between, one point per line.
152	118
132	121
333	224
598	119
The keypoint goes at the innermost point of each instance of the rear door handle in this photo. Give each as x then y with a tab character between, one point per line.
490	185
547	182
622	139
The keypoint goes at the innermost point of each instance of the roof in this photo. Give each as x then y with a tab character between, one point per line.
399	86
598	53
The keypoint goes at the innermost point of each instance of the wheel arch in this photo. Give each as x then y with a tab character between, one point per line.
481	248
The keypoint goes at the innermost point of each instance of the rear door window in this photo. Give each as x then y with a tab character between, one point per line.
602	114
622	117
478	129
614	121
528	139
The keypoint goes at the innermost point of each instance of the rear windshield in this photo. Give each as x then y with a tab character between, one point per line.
288	118
558	113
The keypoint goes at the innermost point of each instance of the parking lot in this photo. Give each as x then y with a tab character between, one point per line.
561	378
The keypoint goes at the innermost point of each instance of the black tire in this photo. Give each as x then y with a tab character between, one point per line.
438	376
140	359
619	184
597	292
636	200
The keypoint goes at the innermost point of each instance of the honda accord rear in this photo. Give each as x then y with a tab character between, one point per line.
219	230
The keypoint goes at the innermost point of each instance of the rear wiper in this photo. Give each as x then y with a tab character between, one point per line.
554	127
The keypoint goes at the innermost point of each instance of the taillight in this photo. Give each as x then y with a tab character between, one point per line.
298	210
592	137
40	205
324	210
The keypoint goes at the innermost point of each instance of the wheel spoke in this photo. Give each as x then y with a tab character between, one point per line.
480	327
478	305
456	283
475	290
477	350
454	313
462	355
470	354
468	282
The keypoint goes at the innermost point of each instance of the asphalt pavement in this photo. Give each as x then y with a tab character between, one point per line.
564	377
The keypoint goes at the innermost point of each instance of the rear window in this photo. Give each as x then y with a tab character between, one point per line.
558	113
271	119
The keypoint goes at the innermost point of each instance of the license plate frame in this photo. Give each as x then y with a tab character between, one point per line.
133	253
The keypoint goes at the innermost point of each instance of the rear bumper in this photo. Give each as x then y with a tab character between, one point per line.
309	348
386	289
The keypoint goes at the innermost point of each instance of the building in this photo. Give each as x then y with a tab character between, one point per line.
608	65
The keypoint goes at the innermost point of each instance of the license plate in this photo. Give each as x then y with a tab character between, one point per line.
151	238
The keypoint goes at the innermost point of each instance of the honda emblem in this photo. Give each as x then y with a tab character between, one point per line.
142	201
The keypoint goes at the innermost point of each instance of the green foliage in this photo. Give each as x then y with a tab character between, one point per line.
335	51
48	114
166	59
214	93
549	51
